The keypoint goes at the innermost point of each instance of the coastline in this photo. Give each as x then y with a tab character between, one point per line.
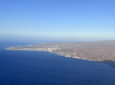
99	51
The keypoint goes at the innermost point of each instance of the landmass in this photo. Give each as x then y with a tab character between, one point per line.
91	50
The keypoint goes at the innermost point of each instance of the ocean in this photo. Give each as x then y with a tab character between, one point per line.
43	68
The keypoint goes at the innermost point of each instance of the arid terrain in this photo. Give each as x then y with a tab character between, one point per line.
91	50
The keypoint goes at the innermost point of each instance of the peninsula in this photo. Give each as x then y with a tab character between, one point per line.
90	50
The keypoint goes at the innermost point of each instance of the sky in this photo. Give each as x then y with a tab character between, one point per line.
57	19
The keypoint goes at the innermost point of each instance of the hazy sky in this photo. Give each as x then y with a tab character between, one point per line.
57	19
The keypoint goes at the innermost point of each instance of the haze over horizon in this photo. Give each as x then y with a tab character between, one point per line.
57	19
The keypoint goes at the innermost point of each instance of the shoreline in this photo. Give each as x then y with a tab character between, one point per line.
98	51
108	62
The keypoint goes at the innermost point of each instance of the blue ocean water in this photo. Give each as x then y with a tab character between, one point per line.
43	68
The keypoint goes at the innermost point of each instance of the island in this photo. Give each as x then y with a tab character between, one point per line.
103	51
